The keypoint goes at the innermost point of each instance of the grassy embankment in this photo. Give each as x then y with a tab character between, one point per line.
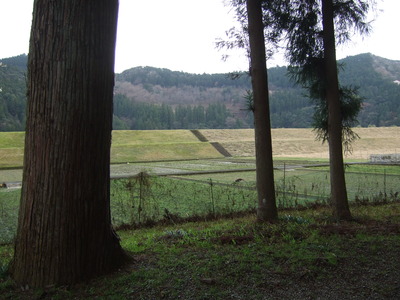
11	149
158	145
127	146
151	145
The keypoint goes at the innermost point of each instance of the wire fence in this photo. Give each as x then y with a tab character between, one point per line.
144	198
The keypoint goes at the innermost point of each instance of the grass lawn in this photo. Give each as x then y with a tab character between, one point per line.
304	256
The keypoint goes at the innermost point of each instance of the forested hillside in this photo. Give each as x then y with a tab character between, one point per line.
12	93
153	98
379	82
193	91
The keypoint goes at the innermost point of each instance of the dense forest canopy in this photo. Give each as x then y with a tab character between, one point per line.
153	98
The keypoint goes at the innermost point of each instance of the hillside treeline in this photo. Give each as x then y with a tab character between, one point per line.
153	98
378	80
375	77
150	76
12	93
135	115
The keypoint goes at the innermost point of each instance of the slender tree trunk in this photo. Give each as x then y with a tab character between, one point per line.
267	210
337	174
64	229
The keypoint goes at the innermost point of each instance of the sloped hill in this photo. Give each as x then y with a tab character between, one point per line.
378	79
140	93
127	146
387	68
155	145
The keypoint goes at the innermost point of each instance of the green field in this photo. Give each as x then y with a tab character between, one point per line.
127	146
215	194
305	184
182	199
158	145
370	169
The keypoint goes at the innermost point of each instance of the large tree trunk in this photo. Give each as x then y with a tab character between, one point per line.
64	231
267	210
337	174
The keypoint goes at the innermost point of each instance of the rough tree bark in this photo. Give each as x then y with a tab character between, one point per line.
267	210
337	175
64	229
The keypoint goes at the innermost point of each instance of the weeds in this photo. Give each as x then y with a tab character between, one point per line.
139	188
9	202
145	199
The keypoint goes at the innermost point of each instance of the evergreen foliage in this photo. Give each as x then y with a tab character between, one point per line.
289	107
306	52
12	93
135	115
166	78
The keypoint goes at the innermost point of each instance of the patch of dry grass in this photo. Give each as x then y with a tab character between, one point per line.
157	152
146	137
300	142
11	149
11	157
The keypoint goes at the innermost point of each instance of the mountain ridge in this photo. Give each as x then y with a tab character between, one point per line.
149	88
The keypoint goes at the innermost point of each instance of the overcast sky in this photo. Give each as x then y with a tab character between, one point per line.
180	34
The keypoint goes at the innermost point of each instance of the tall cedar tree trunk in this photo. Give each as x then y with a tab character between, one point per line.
337	174
267	210
64	229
